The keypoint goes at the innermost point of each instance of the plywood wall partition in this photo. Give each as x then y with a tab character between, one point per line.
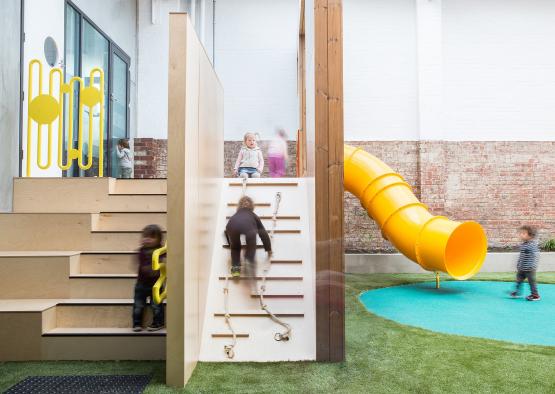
323	64
195	165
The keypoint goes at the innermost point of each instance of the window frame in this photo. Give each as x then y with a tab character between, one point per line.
113	50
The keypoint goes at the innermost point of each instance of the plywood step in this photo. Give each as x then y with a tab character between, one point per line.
124	262
102	276
108	345
86	195
139	186
259	314
263	184
260	278
256	205
278	296
278	217
128	221
220	335
60	232
101	287
100	332
36	275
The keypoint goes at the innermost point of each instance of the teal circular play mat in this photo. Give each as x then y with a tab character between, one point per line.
471	308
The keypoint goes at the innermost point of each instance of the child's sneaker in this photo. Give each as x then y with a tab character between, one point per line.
155	327
137	328
235	272
514	294
533	298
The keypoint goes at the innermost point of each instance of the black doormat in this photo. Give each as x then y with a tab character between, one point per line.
116	384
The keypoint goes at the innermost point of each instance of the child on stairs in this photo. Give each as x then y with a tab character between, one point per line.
150	241
245	222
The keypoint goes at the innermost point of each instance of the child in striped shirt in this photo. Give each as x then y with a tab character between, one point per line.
527	262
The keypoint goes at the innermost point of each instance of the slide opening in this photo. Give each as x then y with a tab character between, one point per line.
465	251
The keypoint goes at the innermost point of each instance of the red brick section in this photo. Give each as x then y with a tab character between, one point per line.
150	157
501	185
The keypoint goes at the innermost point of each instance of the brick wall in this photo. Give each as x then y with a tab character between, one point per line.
150	158
232	148
499	184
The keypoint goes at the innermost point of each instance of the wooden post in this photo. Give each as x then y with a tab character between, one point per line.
330	290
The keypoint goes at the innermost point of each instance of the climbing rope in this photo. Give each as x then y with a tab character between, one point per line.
279	336
228	349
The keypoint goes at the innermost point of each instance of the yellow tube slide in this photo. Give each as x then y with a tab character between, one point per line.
434	242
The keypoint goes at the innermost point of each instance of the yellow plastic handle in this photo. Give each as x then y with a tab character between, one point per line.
158	296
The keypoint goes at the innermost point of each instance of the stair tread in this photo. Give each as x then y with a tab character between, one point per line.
267	278
120	231
265	183
30	305
131	213
109	252
279	217
260	313
100	331
39	305
115	276
227	335
38	253
257	204
279	296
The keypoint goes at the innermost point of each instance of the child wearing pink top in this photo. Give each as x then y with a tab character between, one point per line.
277	154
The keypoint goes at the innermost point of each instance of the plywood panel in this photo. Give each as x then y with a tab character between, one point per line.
195	164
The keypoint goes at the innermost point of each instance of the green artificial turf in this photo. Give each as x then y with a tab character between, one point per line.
382	357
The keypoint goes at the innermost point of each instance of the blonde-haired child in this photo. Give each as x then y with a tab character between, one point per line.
250	161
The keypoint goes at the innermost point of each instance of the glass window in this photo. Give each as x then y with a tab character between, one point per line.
72	50
94	54
86	48
119	109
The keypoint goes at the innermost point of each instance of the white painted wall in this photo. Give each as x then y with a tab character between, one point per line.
43	18
499	69
10	26
380	73
256	60
153	41
153	55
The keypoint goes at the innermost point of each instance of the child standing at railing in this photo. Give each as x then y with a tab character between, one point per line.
125	158
150	241
250	161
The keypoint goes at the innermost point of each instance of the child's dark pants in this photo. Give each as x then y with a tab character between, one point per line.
142	292
521	276
235	246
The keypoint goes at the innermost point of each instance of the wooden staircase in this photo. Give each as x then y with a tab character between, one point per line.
289	287
67	264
